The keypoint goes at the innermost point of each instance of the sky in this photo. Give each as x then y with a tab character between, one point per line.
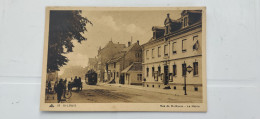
118	26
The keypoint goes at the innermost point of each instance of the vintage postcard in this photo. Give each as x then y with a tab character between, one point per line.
124	59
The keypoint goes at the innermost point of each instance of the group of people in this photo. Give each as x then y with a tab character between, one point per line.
77	81
60	87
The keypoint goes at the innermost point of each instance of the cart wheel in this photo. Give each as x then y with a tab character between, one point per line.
68	94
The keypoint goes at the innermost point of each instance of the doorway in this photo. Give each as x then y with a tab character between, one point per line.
166	75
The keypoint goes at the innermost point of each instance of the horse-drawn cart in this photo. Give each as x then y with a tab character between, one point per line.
75	84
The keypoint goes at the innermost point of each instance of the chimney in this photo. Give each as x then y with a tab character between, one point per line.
129	43
137	42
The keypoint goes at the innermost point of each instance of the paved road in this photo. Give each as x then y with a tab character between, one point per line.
115	94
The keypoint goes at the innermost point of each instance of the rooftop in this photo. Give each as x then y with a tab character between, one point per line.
136	66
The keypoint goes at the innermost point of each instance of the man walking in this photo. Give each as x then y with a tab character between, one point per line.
60	88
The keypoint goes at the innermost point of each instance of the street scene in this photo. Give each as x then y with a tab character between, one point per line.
123	94
124	57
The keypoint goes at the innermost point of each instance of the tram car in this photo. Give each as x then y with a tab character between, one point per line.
91	77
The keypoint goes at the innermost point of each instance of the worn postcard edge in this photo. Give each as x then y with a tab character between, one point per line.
124	106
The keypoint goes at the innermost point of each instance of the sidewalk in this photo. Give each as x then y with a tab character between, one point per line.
158	90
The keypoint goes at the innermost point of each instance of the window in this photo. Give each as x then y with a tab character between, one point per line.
147	71
174	47
147	51
165	50
139	77
159	51
174	88
196	43
185	21
170	77
114	64
137	55
196	89
152	53
152	71
184	45
184	69
196	69
174	71
159	70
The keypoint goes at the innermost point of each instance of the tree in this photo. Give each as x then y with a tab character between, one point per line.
64	26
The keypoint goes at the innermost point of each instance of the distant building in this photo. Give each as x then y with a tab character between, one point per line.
104	55
133	74
52	76
92	64
127	56
172	48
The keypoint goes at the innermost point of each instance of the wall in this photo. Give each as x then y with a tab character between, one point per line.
132	78
232	59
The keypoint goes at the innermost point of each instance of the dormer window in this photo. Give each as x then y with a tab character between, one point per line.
158	32
185	21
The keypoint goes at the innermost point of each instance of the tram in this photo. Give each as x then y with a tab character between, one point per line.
91	77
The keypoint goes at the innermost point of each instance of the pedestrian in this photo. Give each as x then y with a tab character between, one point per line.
79	83
60	88
49	86
65	86
69	86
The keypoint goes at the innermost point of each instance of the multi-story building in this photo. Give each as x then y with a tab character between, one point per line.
104	54
173	48
127	56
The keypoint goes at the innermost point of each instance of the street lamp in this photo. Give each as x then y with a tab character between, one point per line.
188	69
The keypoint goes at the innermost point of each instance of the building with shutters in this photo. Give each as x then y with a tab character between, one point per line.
173	47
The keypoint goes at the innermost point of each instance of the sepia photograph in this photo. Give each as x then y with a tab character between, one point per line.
129	59
124	59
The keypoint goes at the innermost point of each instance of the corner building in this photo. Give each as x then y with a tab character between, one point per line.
172	48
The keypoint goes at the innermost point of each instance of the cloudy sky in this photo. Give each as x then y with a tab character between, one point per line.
118	26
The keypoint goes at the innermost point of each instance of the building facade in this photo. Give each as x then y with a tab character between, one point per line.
171	50
104	55
127	56
133	74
